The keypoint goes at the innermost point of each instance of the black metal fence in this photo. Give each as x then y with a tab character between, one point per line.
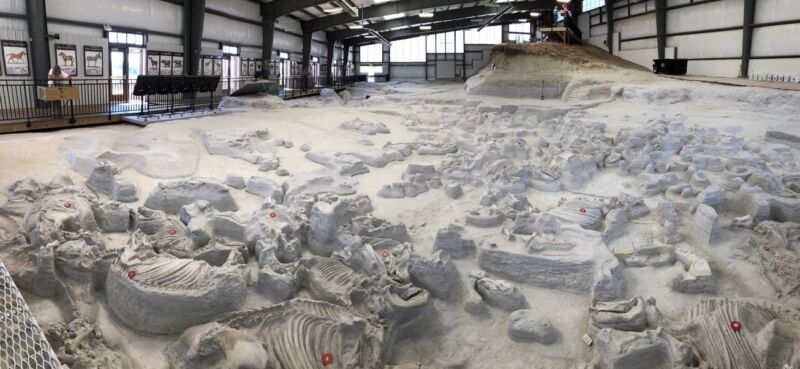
111	96
296	86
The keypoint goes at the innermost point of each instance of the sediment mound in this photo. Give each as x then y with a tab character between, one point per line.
549	70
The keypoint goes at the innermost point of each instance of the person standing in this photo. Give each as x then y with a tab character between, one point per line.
57	77
555	16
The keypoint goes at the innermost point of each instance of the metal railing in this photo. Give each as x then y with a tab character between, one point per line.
112	96
108	96
296	86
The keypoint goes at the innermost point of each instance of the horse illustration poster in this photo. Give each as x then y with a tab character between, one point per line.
165	64
92	61
15	57
67	58
177	64
153	62
208	66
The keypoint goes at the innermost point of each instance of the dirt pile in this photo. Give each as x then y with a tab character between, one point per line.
547	70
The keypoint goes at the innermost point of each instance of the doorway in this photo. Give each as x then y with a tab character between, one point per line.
127	63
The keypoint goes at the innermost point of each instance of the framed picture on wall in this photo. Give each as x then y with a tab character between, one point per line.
208	66
93	61
258	65
177	64
251	67
15	58
217	66
165	66
153	62
67	58
243	67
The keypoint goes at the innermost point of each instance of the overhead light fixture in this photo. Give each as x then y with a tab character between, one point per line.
379	37
563	1
522	20
356	26
394	16
425	28
426	15
333	10
535	14
380	1
347	6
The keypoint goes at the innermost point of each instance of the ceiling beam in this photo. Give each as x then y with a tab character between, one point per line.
446	15
435	28
378	11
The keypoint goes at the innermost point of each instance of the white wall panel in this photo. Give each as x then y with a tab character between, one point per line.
649	43
153	15
165	40
714	68
777	10
776	67
235	32
12	6
708	45
286	42
289	24
644	25
776	40
717	14
11	24
68	29
239	8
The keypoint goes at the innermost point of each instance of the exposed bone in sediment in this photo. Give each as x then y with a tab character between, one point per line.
767	337
292	335
105	179
161	294
170	196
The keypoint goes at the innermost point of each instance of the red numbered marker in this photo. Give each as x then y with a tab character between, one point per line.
273	215
736	326
385	253
327	359
582	210
67	205
172	231
131	274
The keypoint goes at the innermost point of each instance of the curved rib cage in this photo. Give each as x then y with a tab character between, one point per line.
299	332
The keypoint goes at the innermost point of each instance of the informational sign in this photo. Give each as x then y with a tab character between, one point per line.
258	65
251	67
93	61
177	64
165	66
218	67
67	58
15	58
208	66
243	68
153	59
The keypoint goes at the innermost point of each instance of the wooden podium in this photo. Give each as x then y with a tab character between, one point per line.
57	93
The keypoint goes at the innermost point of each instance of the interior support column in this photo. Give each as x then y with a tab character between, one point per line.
307	33
610	26
747	36
661	27
37	32
329	61
193	16
345	57
267	35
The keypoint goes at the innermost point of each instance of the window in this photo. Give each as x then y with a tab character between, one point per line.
519	38
408	50
230	50
372	53
126	38
489	35
592	4
371	70
283	55
519	27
